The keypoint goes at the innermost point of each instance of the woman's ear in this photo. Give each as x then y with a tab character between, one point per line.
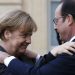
7	34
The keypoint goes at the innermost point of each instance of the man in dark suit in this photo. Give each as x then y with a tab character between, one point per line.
64	64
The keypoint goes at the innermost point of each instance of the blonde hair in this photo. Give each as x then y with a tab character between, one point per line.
17	19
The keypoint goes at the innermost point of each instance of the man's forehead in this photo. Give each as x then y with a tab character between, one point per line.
58	9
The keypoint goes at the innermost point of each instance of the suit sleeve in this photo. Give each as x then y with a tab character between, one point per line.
48	57
44	60
29	67
63	65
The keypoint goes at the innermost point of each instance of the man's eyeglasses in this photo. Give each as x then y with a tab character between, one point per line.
55	20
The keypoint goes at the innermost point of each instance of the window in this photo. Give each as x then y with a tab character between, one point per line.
51	32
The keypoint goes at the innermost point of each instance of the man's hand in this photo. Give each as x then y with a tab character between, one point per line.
64	48
3	55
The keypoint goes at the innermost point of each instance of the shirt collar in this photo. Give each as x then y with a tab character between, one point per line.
72	38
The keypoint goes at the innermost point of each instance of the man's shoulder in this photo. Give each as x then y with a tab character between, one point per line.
65	59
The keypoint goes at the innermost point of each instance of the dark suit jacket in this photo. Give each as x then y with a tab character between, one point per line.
64	64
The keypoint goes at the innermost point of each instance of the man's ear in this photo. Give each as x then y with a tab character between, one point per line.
69	19
7	34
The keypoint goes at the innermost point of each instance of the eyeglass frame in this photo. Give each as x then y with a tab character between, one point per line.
55	20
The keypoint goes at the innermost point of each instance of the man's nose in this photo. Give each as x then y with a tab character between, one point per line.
55	27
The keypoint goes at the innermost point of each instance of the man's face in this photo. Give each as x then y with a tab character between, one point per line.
19	42
61	26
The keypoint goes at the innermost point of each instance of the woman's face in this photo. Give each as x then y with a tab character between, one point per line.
19	41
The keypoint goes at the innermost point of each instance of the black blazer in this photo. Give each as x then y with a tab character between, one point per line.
62	65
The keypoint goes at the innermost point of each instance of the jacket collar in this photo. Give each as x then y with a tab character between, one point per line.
72	39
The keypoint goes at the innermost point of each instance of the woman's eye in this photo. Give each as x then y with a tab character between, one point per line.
26	35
